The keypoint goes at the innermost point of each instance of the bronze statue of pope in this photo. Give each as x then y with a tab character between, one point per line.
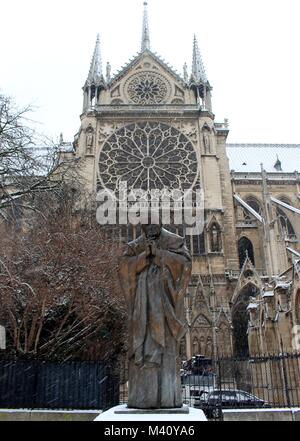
155	271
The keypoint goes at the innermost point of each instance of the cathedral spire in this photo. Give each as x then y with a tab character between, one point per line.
95	81
146	32
198	70
95	73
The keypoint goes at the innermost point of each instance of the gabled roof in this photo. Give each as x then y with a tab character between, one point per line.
222	314
268	294
252	306
137	59
200	298
241	283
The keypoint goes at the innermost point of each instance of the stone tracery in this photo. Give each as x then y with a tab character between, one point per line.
147	88
148	156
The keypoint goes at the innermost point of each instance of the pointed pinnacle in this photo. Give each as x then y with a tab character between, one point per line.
185	73
146	32
95	72
198	70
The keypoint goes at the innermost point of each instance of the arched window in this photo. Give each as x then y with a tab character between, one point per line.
198	245
93	95
240	320
285	200
245	249
253	203
285	224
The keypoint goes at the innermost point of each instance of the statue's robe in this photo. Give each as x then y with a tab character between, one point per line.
154	288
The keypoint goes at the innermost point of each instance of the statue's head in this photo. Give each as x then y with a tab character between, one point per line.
151	231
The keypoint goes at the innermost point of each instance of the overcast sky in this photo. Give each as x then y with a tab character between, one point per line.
250	49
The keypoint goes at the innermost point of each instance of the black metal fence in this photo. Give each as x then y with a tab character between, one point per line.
235	383
50	385
256	382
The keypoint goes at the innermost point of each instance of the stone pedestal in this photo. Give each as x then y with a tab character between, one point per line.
122	413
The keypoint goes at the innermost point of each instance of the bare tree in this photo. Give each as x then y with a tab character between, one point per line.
29	162
59	291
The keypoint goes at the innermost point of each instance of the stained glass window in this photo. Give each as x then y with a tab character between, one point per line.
148	156
147	88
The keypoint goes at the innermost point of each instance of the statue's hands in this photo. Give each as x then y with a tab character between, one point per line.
148	250
153	248
155	251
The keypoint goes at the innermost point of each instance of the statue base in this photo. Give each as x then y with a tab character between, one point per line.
127	411
123	413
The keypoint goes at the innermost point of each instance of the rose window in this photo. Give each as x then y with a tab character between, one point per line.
148	156
147	88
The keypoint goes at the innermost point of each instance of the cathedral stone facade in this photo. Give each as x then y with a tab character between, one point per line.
151	127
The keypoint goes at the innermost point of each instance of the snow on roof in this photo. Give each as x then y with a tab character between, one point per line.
268	294
249	157
283	285
253	306
294	252
66	147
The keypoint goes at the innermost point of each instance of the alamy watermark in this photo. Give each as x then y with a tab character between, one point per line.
142	207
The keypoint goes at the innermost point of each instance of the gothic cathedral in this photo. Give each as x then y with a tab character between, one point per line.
153	128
